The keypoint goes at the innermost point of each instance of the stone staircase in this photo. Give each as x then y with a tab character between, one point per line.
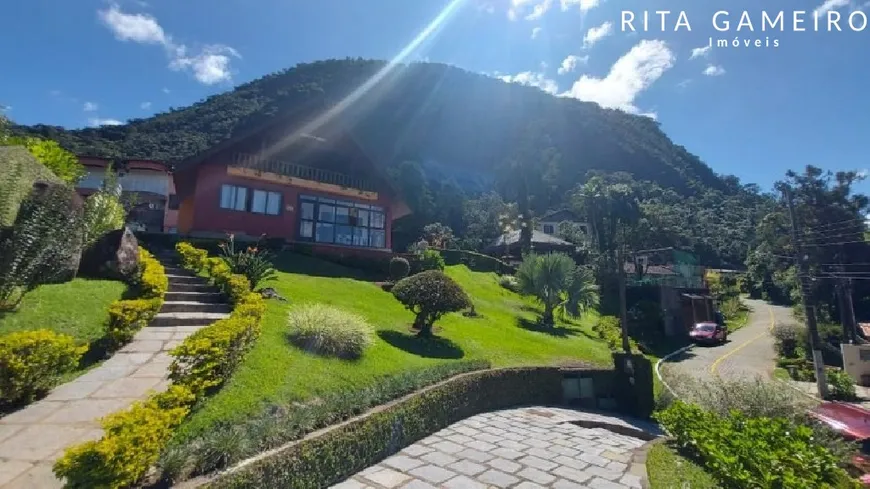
190	300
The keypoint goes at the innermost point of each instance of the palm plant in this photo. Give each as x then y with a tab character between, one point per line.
557	283
255	263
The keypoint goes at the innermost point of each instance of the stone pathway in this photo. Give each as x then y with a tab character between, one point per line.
526	448
32	438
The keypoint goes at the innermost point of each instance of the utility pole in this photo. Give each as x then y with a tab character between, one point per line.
623	314
809	310
850	312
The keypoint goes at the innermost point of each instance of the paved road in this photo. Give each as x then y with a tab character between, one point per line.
748	353
526	448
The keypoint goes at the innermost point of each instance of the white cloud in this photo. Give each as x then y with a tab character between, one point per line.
595	34
209	66
97	122
700	52
532	79
544	65
685	83
535	32
90	107
633	73
714	70
539	10
570	63
486	7
145	105
166	90
829	5
585	5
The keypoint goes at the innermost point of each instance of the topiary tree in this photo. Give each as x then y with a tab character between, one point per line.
557	283
430	295
399	268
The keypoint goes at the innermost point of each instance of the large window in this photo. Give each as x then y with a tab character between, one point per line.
341	222
233	197
264	202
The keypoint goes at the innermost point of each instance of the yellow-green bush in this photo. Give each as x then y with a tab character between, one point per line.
127	317
236	287
207	358
192	258
608	329
32	361
131	443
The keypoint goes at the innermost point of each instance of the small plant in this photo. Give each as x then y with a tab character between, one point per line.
430	295
557	283
509	282
788	340
254	262
32	361
103	211
842	386
431	260
325	330
399	268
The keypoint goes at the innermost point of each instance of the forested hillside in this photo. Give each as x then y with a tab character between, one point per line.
464	130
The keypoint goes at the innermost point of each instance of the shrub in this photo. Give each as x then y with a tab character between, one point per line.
131	443
509	282
254	263
842	386
207	358
325	330
556	282
609	329
757	452
127	317
476	261
430	295
44	245
789	340
431	260
151	280
103	213
399	268
192	258
60	161
32	361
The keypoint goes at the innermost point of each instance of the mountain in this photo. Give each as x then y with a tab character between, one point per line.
460	126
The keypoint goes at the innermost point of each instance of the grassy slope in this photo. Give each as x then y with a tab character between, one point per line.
667	469
78	308
276	372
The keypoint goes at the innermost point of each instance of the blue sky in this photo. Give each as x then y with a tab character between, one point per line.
754	112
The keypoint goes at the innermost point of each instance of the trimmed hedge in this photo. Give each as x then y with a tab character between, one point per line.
477	261
32	361
324	460
134	438
127	317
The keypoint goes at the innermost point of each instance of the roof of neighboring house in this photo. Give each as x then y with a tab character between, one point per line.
128	164
538	238
651	269
560	216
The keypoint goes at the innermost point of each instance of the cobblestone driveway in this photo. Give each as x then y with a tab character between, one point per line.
527	448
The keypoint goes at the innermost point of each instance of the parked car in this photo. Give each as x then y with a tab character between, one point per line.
852	423
709	333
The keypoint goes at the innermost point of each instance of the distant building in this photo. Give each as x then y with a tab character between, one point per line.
146	185
549	224
509	244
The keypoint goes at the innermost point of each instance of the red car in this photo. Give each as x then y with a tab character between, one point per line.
852	423
709	333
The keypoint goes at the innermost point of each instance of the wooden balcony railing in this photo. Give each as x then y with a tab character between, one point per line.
286	168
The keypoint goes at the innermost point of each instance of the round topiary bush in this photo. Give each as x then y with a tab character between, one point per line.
399	268
430	295
326	330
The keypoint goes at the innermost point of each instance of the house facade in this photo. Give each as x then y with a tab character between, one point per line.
147	187
549	223
289	180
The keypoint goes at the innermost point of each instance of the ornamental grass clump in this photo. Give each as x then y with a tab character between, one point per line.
326	330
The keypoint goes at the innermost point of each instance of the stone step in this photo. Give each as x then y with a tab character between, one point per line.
210	297
186	318
190	287
174	270
185	279
192	306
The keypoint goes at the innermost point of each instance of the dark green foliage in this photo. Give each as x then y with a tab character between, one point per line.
431	260
789	340
741	451
45	243
399	268
277	425
329	459
476	261
18	171
842	386
254	262
430	295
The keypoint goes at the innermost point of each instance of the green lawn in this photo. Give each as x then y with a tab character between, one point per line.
275	372
667	469
78	308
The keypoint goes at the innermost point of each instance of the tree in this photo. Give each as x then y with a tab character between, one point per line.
438	235
430	295
60	161
481	220
555	281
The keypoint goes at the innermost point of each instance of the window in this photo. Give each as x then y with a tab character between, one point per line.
549	229
233	197
324	220
173	202
266	203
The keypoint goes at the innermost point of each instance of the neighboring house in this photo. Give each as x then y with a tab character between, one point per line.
298	178
549	224
509	244
146	186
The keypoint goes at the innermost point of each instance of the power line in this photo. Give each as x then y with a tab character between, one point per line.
853	234
811	245
828	225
